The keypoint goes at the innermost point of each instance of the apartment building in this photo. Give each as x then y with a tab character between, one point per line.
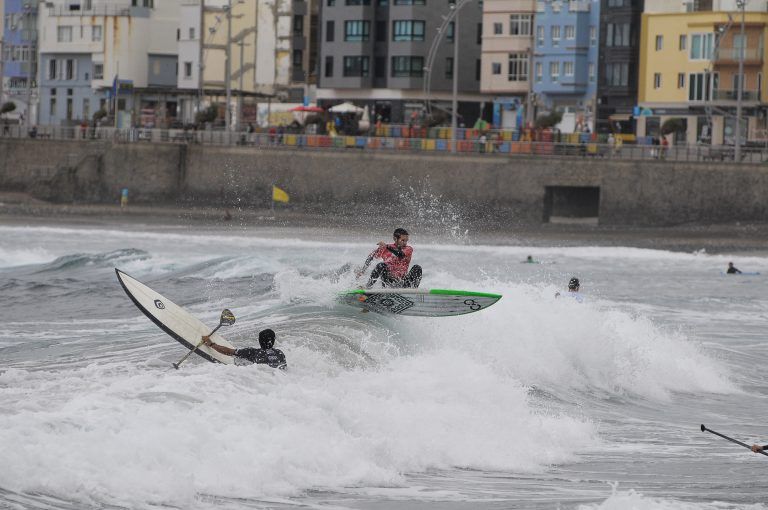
112	55
374	53
272	52
506	66
689	60
619	61
19	56
565	60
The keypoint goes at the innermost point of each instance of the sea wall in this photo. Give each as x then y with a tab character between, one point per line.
355	182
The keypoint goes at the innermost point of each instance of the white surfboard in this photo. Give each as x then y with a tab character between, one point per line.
173	319
419	302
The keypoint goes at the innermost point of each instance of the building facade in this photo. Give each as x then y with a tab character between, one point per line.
374	53
19	55
619	62
689	72
117	56
505	71
565	60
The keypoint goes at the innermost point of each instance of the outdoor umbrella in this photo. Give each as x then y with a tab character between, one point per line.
345	108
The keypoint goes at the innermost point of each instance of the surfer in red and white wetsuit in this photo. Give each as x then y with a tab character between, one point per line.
393	270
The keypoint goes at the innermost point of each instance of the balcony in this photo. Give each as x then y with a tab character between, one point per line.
729	56
98	10
578	6
731	95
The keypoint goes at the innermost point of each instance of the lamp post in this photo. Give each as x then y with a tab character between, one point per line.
739	92
455	92
228	69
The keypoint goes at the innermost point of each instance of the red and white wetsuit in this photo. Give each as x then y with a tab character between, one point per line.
397	260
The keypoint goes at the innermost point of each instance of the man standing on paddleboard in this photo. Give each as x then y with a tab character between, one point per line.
267	355
393	270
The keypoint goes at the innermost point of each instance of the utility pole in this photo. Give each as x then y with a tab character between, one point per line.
454	99
2	75
228	69
737	153
240	99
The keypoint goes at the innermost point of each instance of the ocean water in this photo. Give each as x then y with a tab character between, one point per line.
535	402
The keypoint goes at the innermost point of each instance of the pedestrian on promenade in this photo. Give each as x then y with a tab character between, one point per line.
611	144
124	198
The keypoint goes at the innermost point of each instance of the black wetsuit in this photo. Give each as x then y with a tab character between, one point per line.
411	279
733	270
272	357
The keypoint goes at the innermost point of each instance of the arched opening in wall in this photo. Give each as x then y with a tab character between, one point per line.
572	204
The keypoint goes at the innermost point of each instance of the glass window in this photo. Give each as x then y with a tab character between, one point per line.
617	75
570	32
356	66
683	42
98	71
591	71
96	32
187	70
659	42
592	35
520	24
191	33
408	30
540	35
518	67
681	80
617	34
64	34
450	32
701	46
554	71
407	67
449	67
330	28
555	31
52	69
381	31
496	68
700	84
298	58
298	24
568	69
498	29
328	67
357	2
539	72
357	30
410	2
657	80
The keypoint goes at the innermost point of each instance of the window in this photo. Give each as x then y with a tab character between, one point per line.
554	71
357	2
328	67
683	42
617	34
478	68
657	80
540	36
96	32
52	106
410	2
617	75
86	108
539	72
69	69
592	35
570	32
380	67
408	30
479	39
449	67
298	24
518	67
681	80
555	33
496	68
405	67
520	24
191	33
178	34
591	71
69	108
381	31
450	32
64	34
498	29
52	69
739	43
659	42
98	71
330	27
617	3
356	66
568	69
735	83
700	85
331	3
701	46
357	30
298	58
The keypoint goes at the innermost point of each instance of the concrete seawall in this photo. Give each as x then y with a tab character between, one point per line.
518	190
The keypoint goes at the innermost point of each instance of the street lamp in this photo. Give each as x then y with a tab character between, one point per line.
741	4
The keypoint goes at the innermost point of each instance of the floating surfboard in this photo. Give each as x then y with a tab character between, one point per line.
419	302
173	319
743	273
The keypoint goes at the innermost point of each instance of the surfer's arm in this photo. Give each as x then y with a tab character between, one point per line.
218	348
370	258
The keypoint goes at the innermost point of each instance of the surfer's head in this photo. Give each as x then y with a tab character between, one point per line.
266	338
730	264
401	237
573	284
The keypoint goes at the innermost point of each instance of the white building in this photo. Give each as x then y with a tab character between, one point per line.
90	49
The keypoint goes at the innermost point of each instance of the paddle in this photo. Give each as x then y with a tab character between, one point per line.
705	429
227	319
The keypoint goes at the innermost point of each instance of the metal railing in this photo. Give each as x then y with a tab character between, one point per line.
479	147
732	54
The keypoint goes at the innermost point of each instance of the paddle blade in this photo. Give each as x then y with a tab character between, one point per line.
703	428
227	317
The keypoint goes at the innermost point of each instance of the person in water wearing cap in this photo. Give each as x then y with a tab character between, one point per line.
393	268
266	355
573	290
732	270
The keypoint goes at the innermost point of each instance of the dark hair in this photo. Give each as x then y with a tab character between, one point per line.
266	338
573	284
400	232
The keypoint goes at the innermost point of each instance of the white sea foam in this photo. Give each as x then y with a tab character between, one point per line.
633	500
24	256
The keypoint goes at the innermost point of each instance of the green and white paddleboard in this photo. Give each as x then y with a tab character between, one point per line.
419	302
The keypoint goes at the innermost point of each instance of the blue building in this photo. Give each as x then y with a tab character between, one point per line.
20	54
565	57
66	95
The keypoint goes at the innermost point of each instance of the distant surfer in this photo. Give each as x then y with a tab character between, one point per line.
732	269
266	355
573	290
529	260
393	269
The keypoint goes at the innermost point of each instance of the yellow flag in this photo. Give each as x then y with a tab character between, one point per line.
279	195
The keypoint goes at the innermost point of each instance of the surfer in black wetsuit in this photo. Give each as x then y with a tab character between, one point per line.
266	355
732	270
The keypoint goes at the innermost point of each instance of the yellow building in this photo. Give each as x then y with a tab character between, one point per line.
689	70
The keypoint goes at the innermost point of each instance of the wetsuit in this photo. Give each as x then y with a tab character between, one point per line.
393	270
733	270
272	357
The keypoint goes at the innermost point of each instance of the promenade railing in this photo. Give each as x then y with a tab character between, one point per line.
482	146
